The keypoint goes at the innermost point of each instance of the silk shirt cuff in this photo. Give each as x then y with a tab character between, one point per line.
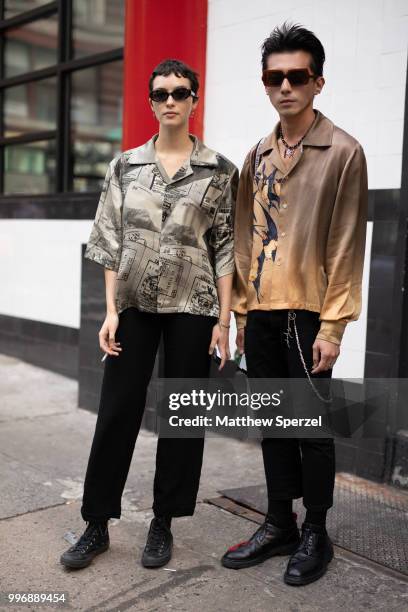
332	331
240	320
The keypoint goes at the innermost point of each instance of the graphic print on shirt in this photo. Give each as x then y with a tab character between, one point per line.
168	240
203	296
266	207
148	286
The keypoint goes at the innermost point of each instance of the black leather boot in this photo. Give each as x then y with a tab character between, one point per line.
94	541
267	541
309	562
159	544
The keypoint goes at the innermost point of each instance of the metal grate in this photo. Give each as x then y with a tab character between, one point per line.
369	519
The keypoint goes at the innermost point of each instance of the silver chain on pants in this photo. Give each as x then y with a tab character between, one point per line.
288	334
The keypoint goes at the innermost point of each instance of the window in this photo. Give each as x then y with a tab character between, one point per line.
30	47
30	168
15	7
61	94
97	26
96	111
30	107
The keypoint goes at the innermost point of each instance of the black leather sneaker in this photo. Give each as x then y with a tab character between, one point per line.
267	541
94	541
159	544
309	562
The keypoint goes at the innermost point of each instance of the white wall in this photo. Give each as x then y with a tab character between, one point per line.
41	269
351	361
366	44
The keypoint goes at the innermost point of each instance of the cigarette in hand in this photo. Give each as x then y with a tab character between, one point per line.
104	357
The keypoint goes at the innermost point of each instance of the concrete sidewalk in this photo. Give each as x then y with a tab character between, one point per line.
44	446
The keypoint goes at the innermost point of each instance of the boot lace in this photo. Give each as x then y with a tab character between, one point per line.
157	537
86	540
261	532
308	541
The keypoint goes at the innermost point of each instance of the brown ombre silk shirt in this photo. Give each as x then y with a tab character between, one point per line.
300	230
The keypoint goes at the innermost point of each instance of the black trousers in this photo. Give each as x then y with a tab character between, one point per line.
294	467
186	340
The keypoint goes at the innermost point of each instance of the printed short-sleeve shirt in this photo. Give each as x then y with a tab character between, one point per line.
168	239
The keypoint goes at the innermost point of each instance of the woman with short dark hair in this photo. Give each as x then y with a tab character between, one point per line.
163	231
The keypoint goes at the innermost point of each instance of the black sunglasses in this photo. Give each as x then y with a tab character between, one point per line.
275	78
178	94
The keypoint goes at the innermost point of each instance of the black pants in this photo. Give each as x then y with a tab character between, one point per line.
294	467
186	340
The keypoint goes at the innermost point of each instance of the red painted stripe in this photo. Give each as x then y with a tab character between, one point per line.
156	30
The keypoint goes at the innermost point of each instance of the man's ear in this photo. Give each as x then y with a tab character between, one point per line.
319	84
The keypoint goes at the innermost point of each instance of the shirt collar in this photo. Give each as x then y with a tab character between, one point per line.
200	156
320	134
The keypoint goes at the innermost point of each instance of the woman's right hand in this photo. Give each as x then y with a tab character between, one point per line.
107	334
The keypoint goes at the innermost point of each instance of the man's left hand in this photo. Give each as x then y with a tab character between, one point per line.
325	355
